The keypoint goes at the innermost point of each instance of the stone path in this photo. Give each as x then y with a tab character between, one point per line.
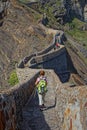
33	118
66	107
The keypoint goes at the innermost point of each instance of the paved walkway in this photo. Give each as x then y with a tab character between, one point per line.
33	118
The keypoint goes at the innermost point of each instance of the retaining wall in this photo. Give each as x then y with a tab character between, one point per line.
12	102
27	58
55	60
46	57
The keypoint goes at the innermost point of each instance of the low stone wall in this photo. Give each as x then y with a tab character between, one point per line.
55	60
12	102
27	58
47	57
42	53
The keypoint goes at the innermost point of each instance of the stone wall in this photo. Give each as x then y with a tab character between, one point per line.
27	58
12	102
55	60
71	108
47	57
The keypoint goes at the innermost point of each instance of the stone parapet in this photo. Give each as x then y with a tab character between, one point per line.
44	52
27	58
12	102
47	56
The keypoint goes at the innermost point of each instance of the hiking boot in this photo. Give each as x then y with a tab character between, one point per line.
42	107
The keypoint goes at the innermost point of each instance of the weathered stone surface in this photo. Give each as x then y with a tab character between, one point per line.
33	118
66	9
66	106
72	105
2	120
78	64
64	113
12	102
20	35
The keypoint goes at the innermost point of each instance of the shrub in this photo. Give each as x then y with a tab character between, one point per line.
84	44
13	79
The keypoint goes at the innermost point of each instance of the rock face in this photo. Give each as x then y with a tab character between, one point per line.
20	35
66	105
85	13
3	9
11	102
79	8
69	9
17	35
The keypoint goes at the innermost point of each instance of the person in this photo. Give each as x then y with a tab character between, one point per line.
41	85
57	41
57	45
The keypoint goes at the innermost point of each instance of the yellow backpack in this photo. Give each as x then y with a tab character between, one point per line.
42	86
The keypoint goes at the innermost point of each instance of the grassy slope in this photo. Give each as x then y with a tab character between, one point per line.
77	33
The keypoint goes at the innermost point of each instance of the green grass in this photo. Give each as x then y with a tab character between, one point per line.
36	16
69	45
82	57
25	1
13	79
48	10
58	2
77	33
77	22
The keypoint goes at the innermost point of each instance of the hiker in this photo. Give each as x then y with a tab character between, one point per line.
57	41
41	84
57	45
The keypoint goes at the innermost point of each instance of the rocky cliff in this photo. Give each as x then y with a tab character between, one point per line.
69	9
20	35
77	7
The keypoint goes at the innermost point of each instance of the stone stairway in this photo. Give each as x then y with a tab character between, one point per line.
33	118
66	105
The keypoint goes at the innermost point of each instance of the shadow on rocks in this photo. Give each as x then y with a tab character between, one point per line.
33	117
